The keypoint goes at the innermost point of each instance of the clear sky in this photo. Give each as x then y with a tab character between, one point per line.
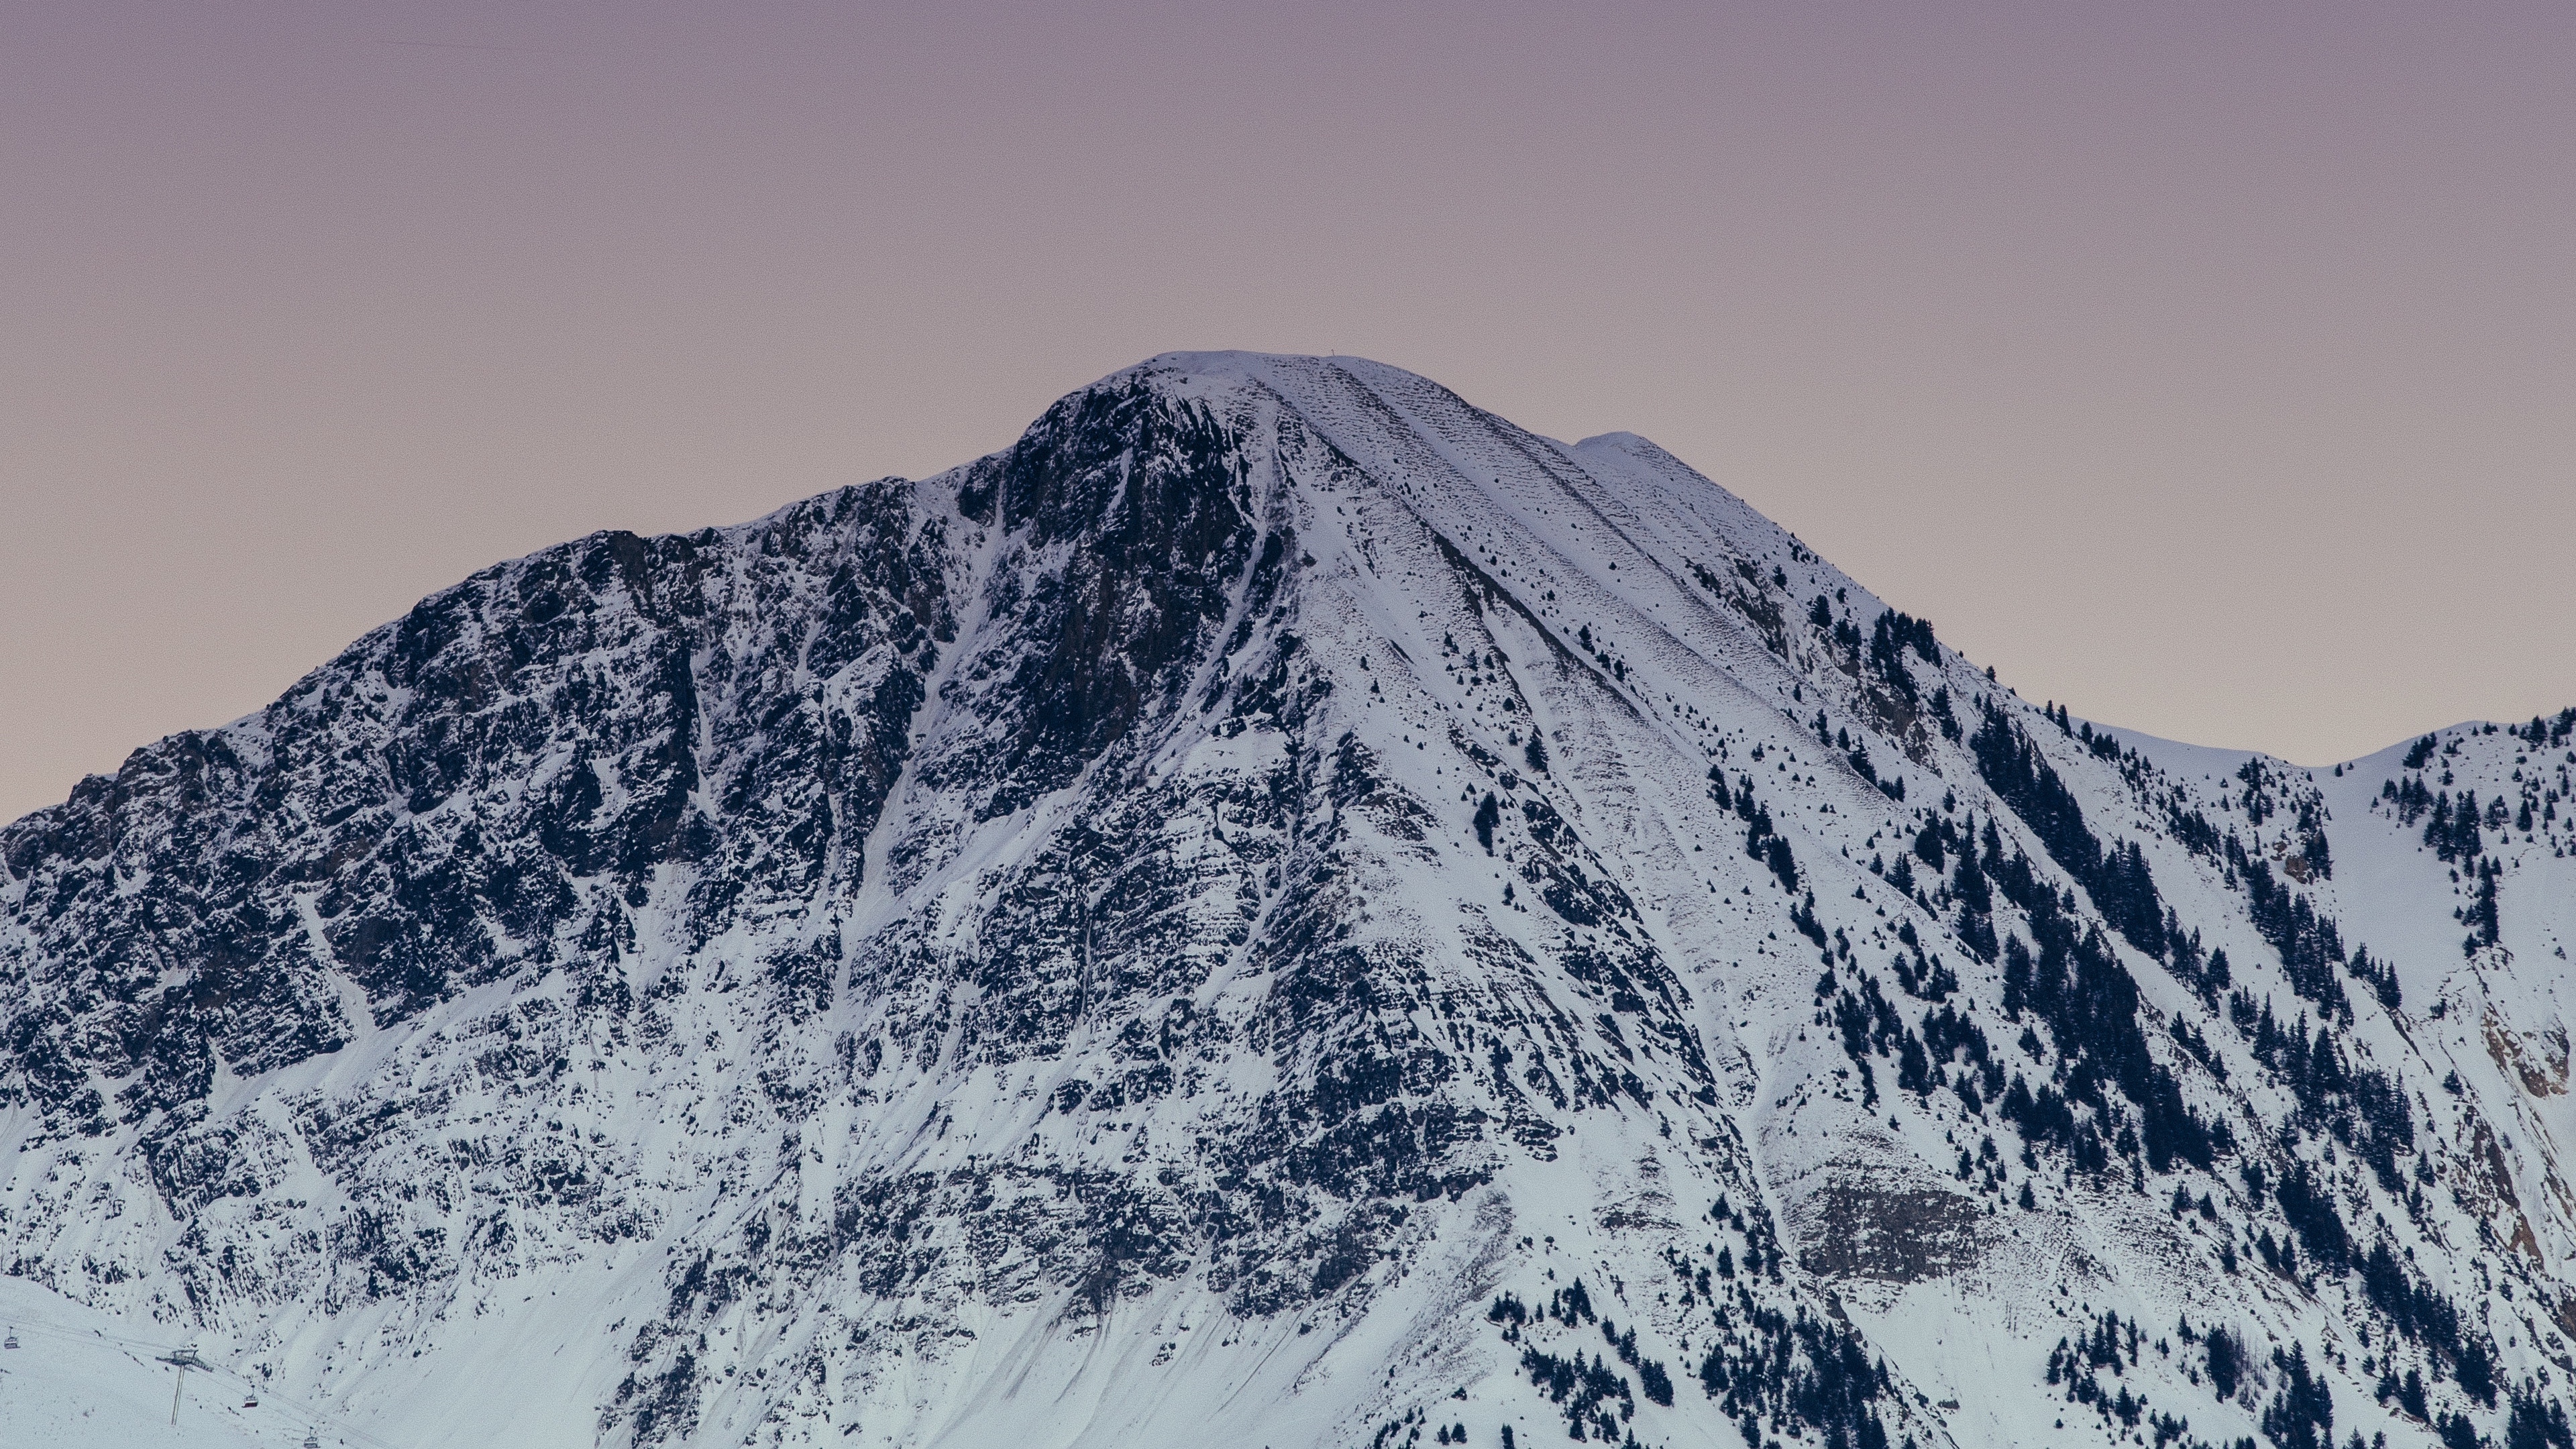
2206	367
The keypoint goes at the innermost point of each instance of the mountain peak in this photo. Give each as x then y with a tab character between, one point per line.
1284	908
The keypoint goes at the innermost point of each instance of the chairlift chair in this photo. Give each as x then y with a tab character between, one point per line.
13	1339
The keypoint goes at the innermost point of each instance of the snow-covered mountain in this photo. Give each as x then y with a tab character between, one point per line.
1285	910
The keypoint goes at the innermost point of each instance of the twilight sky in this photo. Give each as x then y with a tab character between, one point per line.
2205	367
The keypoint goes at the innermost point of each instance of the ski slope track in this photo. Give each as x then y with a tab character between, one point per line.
1283	910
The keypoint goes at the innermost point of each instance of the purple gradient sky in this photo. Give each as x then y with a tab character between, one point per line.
2206	367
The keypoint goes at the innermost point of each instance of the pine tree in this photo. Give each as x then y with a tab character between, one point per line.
2483	914
2226	1362
1784	865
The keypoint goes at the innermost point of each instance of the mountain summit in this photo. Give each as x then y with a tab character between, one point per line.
1285	910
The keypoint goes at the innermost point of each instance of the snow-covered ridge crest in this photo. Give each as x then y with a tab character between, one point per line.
1283	908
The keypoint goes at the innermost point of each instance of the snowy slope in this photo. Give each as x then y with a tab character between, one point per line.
77	1378
1283	909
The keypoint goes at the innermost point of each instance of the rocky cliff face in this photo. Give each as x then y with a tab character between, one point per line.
1283	909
